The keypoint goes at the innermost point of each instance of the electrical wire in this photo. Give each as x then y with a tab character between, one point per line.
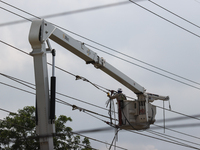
177	118
134	132
64	95
70	131
193	117
147	69
120	52
169	140
177	132
169	136
147	63
174	14
63	13
151	131
166	19
128	56
98	140
113	56
172	142
16	79
15	13
61	101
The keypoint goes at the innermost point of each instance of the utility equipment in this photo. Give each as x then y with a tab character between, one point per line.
137	114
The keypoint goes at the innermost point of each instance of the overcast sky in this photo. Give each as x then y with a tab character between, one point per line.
173	46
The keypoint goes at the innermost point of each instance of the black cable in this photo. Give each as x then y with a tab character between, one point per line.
132	131
114	139
15	124
14	47
17	88
61	14
20	9
193	117
171	141
60	101
167	137
139	60
146	68
97	140
177	131
174	14
15	13
177	118
140	65
71	131
166	20
142	62
162	139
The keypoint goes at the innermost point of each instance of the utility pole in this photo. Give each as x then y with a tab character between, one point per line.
45	127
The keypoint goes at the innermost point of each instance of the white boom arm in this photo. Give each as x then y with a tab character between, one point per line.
47	30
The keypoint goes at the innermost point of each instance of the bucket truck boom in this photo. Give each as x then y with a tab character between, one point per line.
139	114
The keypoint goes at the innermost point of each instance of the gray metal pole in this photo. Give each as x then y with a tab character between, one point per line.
44	126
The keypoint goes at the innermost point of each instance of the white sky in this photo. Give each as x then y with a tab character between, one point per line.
126	28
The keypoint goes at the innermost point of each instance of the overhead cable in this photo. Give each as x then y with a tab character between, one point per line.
172	142
147	68
166	19
169	140
132	131
146	63
174	14
193	117
169	137
70	131
25	84
170	119
97	140
15	14
63	13
161	127
62	102
109	5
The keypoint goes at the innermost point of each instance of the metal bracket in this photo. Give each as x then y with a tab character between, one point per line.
100	62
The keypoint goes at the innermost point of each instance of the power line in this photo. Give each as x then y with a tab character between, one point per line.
144	62
16	79
174	14
85	110
175	131
20	81
97	140
174	139
70	131
147	68
132	131
25	84
19	9
63	13
15	13
172	142
115	4
63	102
169	136
193	117
166	20
169	140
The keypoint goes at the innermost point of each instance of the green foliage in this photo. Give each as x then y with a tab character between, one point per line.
16	130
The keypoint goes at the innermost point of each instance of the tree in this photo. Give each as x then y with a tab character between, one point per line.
17	132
